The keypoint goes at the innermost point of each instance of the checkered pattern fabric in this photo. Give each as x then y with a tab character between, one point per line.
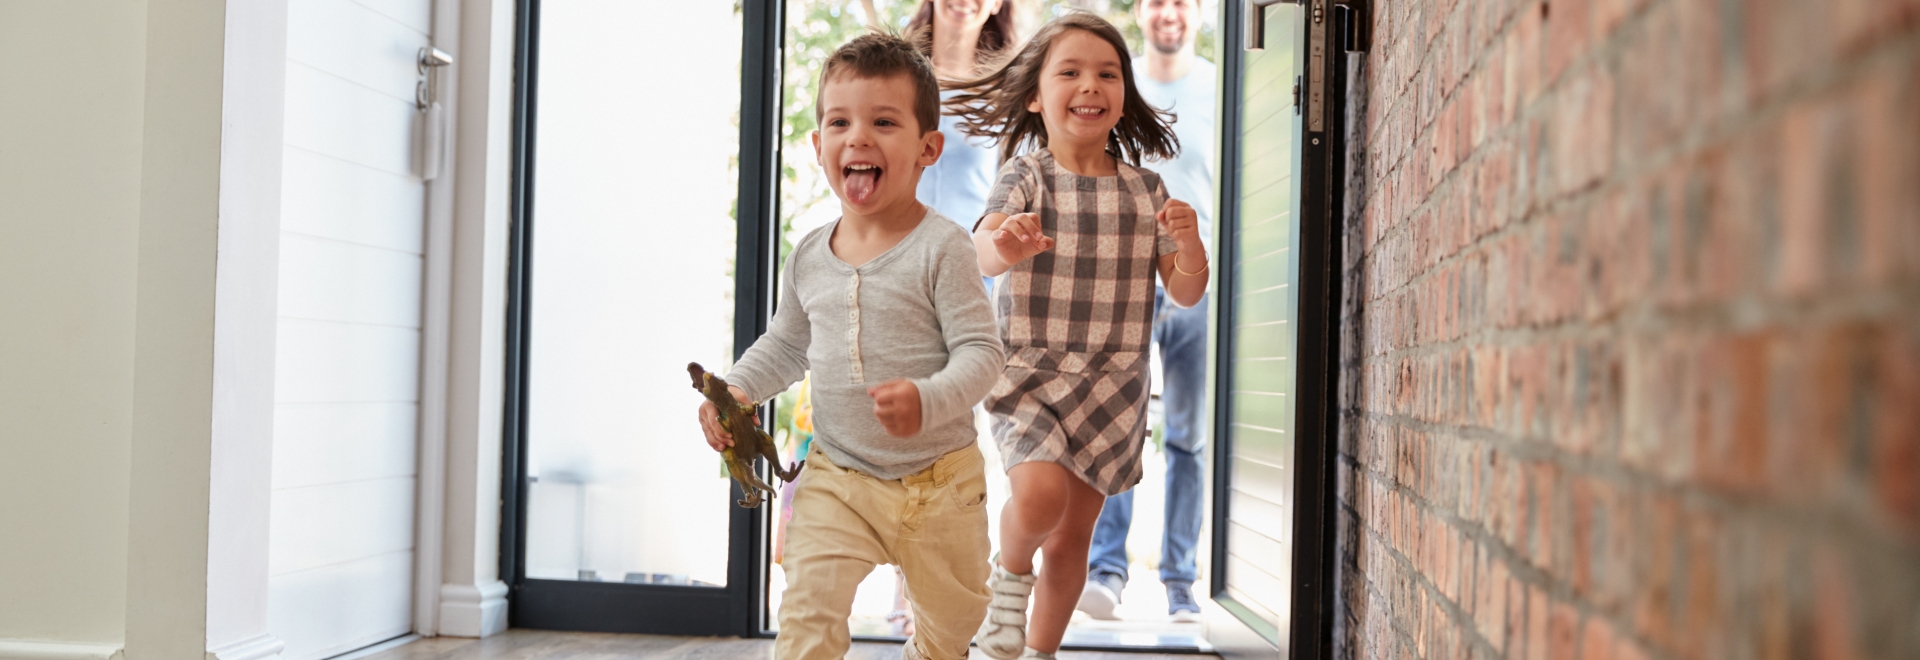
1077	320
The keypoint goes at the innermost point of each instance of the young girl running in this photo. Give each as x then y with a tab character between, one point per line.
1075	234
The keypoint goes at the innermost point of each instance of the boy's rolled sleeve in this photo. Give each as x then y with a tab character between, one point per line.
975	356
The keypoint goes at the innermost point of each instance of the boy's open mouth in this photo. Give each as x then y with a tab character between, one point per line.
861	180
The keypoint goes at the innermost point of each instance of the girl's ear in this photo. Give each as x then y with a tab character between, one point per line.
1033	103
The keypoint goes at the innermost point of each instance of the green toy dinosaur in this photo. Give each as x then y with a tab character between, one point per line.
749	442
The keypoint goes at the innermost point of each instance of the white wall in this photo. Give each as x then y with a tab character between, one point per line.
112	205
134	143
70	208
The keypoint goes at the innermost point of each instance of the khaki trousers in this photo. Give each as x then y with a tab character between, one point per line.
933	525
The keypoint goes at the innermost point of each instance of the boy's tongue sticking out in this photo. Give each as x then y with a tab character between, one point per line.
861	180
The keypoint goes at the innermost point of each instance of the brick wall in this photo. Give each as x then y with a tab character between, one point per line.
1632	331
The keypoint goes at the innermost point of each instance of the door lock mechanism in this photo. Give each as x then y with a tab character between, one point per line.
430	119
428	64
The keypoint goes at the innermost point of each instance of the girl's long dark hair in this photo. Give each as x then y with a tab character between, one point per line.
995	35
994	106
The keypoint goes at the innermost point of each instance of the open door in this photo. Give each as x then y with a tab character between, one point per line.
1277	369
647	234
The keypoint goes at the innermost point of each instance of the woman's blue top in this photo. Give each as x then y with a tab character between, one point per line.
957	184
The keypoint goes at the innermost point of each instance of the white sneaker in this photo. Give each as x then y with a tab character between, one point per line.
1004	634
1101	596
1031	654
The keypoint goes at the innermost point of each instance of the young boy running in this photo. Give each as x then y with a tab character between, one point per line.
885	306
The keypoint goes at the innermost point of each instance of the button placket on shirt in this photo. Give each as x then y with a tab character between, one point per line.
853	330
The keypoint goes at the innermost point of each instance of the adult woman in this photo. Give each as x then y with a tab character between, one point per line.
961	33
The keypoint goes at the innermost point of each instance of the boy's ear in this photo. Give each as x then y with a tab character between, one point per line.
932	144
818	157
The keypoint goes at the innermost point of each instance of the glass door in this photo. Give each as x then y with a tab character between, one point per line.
629	262
1280	332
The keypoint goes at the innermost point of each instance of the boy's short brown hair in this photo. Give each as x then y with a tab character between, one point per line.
880	55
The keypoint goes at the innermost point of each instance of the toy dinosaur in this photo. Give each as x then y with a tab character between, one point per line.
749	442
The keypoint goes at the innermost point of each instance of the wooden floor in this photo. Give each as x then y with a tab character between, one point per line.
543	645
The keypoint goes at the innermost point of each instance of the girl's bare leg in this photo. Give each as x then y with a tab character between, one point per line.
1065	551
1039	490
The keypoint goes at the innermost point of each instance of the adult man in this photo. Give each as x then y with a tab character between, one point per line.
1171	77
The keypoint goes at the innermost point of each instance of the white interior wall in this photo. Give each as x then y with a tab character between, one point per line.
129	429
70	207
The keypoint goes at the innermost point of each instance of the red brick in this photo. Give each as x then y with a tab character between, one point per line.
1834	618
1597	640
1563	629
1538	614
1569	33
1897	432
1700	623
1516	625
1731	443
1655	611
1583	130
1525	55
1492	615
1808	134
1543	483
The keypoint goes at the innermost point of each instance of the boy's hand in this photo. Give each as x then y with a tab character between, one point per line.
717	436
1179	221
1019	238
897	404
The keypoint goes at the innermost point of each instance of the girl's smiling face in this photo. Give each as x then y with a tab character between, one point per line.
1081	89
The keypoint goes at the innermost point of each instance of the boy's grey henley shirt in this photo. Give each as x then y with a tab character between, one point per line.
918	311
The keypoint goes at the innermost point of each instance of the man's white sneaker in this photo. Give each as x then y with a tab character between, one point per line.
1004	634
1101	596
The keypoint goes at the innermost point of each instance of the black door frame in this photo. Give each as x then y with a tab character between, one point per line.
1330	26
736	609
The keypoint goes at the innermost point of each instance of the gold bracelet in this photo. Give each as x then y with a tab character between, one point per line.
1204	265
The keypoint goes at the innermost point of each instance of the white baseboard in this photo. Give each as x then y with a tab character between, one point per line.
11	649
469	610
258	647
396	642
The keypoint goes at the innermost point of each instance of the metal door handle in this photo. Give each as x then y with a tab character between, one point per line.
429	61
430	120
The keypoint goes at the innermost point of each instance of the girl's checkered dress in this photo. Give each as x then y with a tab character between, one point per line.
1077	320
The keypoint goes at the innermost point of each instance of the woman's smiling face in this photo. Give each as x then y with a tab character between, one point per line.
1081	89
963	14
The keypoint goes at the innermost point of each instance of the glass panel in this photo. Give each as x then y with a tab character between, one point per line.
633	246
814	29
1266	305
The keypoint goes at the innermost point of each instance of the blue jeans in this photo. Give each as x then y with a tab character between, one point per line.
1182	336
